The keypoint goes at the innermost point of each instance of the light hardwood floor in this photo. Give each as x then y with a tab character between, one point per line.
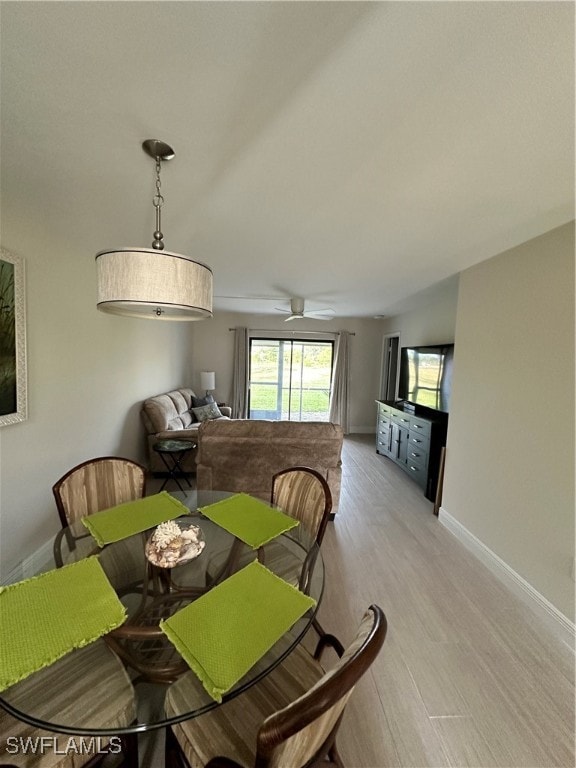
468	676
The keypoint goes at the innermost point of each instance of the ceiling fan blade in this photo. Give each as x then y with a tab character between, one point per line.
281	309
292	317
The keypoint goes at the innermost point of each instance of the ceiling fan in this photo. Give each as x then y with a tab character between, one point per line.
296	311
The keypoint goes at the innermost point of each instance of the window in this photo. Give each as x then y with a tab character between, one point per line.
290	379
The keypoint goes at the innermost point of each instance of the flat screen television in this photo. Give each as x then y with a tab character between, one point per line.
426	376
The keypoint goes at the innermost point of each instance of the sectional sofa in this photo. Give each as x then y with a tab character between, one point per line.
241	454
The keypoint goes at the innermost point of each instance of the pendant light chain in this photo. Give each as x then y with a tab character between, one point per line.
158	201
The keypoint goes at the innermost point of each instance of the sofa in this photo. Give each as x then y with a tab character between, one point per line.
242	454
169	416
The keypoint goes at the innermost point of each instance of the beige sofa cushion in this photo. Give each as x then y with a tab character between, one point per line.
169	411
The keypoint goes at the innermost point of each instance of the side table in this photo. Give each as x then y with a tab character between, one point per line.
172	452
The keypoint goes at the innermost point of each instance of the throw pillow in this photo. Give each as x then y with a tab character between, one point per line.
207	412
198	402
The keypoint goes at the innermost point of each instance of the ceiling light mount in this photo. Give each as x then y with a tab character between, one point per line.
158	149
297	311
154	283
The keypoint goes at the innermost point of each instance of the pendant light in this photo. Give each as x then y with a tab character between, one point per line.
151	282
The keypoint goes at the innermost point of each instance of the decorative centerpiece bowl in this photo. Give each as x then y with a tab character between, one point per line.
174	542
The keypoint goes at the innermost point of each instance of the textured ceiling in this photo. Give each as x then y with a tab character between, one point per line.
349	153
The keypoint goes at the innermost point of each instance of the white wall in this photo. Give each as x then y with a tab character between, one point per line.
430	317
509	476
87	373
213	343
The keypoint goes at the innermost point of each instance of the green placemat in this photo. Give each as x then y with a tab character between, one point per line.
119	522
251	520
45	617
226	631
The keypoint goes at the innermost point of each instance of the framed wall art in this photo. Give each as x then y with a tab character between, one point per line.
13	374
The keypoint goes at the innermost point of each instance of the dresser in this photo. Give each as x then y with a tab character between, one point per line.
414	441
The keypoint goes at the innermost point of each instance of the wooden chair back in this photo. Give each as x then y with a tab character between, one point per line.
304	494
98	484
305	731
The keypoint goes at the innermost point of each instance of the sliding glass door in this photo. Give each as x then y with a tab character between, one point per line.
290	379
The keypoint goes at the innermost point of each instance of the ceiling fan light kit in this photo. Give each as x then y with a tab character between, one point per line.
153	283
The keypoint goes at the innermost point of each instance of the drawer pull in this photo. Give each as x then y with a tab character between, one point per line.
416	426
414	469
414	455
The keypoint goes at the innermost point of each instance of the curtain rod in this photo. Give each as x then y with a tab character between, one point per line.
274	330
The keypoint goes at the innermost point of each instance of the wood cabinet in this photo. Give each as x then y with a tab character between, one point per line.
413	440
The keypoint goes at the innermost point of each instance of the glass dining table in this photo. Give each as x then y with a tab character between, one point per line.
154	596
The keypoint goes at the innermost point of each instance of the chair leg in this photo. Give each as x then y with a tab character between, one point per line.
173	755
335	757
130	750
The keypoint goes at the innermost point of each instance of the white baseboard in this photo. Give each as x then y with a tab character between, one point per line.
555	619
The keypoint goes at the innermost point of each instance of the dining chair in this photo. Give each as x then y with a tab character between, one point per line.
304	494
89	687
289	718
92	486
98	484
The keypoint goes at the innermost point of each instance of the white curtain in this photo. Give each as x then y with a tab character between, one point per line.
340	383
240	374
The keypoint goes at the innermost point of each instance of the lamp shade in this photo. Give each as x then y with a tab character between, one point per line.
147	283
207	380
